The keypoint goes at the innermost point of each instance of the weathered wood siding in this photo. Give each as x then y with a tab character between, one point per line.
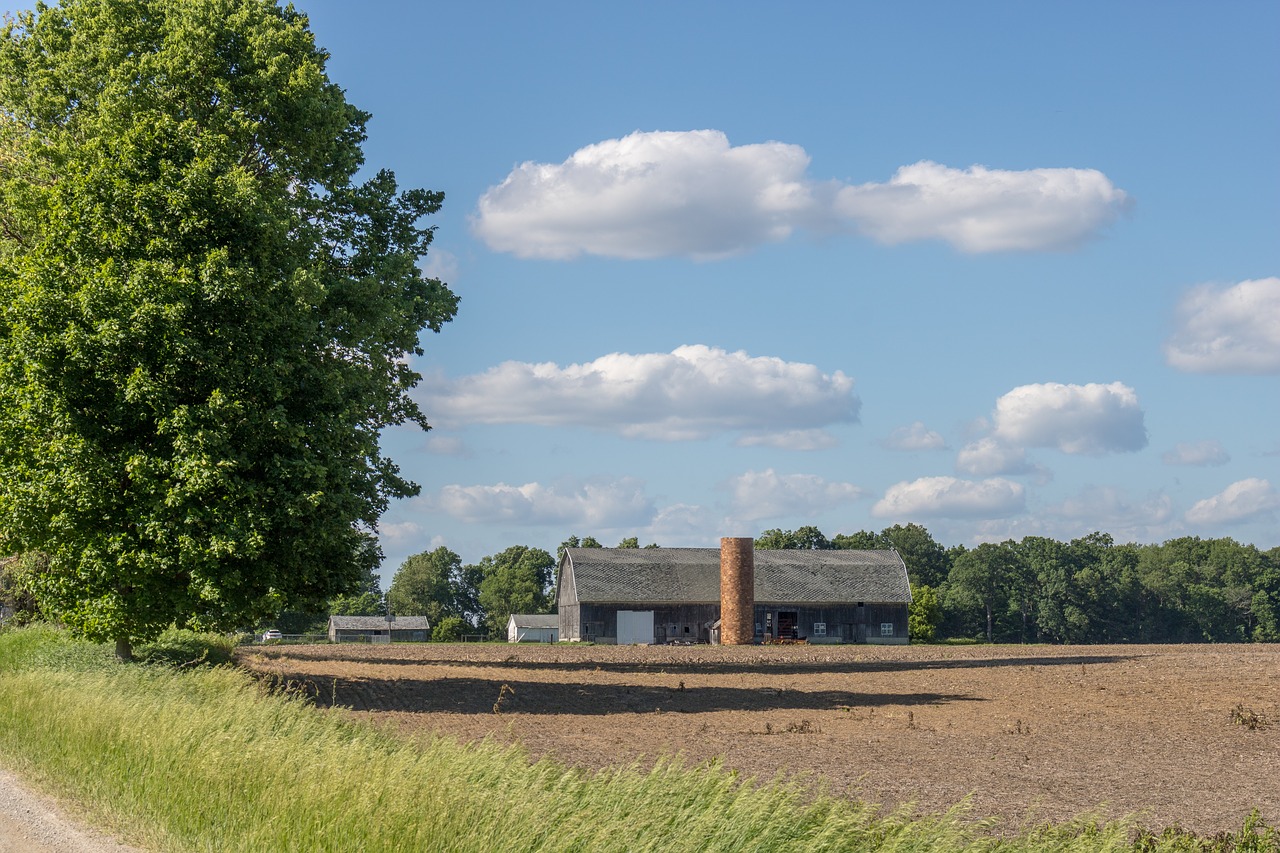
691	622
870	622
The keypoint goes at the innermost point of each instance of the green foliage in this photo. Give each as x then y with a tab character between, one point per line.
184	648
518	580
429	584
364	604
805	539
203	320
17	598
924	614
575	542
450	629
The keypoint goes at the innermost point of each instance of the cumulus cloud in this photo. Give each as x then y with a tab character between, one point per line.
768	494
914	437
1092	419
693	194
948	497
1206	453
649	195
693	392
593	504
985	210
1232	329
988	456
1245	500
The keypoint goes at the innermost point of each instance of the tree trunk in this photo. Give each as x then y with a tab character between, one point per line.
989	639
124	649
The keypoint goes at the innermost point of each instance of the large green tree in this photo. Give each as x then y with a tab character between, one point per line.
204	317
518	580
428	584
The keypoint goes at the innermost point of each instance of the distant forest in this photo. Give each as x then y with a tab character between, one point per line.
1088	590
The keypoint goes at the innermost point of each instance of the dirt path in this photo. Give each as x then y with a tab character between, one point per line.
1027	733
33	823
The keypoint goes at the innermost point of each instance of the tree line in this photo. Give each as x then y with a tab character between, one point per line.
1087	590
1034	590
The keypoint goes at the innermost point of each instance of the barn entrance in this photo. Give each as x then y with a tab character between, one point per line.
787	621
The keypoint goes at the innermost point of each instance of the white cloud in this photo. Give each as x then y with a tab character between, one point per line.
948	497
1091	418
649	195
691	193
767	494
795	439
985	210
914	437
1228	330
988	456
1208	452
593	504
694	392
1246	500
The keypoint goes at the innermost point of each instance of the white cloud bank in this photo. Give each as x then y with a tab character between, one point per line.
1245	500
595	504
1091	419
693	392
1210	452
768	494
1232	329
691	193
948	497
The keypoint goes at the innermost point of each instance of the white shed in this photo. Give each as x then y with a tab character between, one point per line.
533	628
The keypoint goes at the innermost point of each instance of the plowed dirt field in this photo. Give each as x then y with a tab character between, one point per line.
1186	735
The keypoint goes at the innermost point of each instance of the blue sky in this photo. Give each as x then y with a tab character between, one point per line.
1000	269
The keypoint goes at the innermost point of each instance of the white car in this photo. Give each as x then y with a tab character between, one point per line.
270	634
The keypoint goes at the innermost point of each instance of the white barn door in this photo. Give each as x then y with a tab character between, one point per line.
635	626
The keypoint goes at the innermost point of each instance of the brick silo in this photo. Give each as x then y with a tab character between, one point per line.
737	591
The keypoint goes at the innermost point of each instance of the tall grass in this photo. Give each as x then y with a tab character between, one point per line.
203	758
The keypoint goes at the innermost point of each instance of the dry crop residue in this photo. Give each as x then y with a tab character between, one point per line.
1031	732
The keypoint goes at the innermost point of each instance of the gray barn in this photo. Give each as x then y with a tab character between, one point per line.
663	595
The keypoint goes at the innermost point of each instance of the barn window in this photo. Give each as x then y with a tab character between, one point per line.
886	629
819	629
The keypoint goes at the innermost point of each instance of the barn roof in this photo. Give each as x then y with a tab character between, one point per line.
535	620
378	623
689	575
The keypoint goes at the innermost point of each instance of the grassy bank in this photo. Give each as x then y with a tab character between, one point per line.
202	758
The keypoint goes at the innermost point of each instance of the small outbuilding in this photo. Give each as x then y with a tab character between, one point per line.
533	628
379	629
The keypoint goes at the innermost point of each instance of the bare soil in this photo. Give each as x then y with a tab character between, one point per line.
1172	735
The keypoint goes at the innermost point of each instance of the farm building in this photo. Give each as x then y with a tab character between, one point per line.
378	629
533	628
734	594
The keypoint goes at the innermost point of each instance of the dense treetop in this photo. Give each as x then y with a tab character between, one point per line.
203	317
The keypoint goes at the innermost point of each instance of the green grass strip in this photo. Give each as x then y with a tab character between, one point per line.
202	758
